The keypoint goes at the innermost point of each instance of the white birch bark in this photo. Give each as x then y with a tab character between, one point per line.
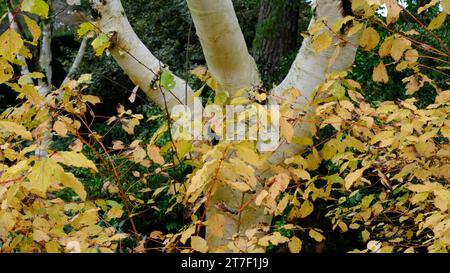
223	44
310	69
134	57
45	54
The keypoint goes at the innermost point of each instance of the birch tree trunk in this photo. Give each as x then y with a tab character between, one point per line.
45	54
310	69
223	44
135	58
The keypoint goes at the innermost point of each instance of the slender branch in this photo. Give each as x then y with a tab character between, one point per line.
76	63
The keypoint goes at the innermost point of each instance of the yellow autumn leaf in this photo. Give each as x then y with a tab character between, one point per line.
16	129
70	181
438	21
393	11
427	6
306	209
380	73
7	71
115	212
411	55
321	42
351	178
263	194
52	247
369	39
316	235
446	6
38	7
199	244
287	130
154	154
385	48
42	173
10	44
60	128
399	46
74	159
295	245
34	29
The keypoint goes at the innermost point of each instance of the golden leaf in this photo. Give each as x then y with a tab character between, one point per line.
321	42
399	46
438	21
154	154
295	245
351	178
446	6
316	235
16	129
60	128
369	39
74	159
380	73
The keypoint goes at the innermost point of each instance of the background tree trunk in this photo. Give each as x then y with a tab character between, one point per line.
276	35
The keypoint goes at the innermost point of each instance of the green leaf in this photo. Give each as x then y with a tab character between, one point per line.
38	7
167	80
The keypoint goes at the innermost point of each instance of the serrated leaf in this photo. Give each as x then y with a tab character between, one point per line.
100	44
74	159
85	28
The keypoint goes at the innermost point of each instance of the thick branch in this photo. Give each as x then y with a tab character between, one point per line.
223	44
134	57
310	69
